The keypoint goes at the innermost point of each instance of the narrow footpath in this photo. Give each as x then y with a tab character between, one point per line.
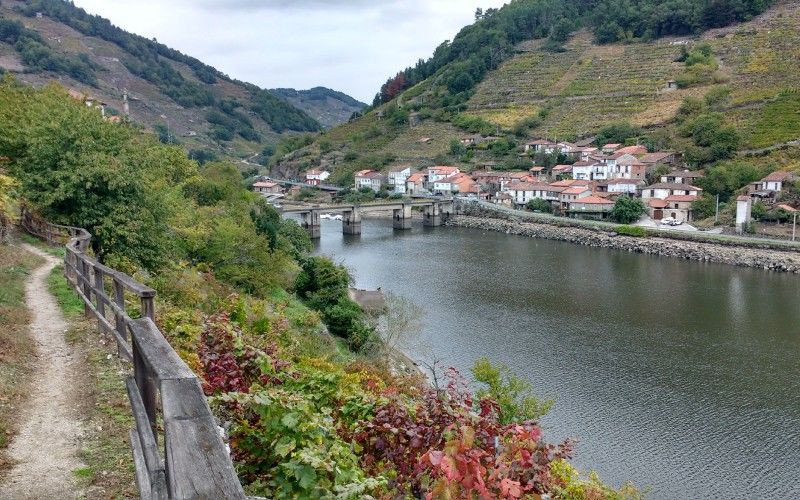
46	448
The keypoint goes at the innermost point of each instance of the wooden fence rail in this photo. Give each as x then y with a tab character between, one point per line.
166	397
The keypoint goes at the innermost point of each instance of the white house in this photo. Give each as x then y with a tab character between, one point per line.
368	179
398	176
584	169
665	189
625	186
538	145
523	192
440	172
775	181
456	183
315	176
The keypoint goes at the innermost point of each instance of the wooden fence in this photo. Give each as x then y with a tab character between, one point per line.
166	397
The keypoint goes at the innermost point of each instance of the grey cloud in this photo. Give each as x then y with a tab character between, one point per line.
255	5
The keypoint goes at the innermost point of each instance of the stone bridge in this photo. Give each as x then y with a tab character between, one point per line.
435	212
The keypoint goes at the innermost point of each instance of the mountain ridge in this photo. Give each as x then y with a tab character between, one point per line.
178	96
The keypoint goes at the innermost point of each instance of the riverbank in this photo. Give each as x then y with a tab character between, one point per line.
773	260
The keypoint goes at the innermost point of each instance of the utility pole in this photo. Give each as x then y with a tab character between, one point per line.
169	136
794	227
716	215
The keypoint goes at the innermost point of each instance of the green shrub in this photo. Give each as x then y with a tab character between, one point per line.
627	209
636	231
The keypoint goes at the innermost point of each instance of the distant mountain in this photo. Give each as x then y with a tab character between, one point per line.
180	97
327	106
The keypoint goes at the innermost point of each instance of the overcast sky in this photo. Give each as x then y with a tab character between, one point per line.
347	45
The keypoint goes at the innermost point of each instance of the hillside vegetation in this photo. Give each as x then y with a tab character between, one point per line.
743	75
178	96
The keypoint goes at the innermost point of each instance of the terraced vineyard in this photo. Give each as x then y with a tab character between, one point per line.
590	86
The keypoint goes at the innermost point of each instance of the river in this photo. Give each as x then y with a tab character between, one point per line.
681	376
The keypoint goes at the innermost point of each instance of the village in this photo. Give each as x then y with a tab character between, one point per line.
586	186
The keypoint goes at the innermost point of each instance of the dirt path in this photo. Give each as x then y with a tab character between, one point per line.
46	448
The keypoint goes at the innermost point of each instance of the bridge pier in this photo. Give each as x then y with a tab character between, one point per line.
432	215
310	222
401	218
351	221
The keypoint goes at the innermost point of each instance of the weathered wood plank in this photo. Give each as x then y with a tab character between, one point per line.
161	359
142	477
198	463
147	441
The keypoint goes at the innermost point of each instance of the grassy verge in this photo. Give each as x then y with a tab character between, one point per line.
106	453
57	251
16	347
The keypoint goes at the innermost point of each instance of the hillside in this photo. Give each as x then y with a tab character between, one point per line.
179	97
573	91
328	107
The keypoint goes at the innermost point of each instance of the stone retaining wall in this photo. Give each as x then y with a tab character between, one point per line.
773	260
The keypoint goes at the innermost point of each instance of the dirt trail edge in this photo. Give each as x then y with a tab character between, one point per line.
46	448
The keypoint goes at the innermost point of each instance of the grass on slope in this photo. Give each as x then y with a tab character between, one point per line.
16	346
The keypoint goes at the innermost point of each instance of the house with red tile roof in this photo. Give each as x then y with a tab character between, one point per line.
440	172
316	176
664	189
621	186
415	184
369	179
267	187
633	150
591	207
660	158
572	194
775	181
561	171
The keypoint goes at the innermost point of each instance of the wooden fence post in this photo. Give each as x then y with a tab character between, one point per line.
87	287
119	299
99	286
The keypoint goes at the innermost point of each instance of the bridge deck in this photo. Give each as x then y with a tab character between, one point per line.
363	208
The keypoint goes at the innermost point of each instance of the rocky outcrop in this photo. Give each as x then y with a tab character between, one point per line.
773	260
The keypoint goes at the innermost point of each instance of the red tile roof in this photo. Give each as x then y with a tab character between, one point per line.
442	169
594	200
681	198
656	157
527	186
575	190
656	203
633	150
265	184
778	176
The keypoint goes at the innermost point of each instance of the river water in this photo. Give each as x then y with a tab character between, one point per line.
681	376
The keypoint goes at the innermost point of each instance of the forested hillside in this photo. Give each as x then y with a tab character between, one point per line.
328	107
551	70
177	96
